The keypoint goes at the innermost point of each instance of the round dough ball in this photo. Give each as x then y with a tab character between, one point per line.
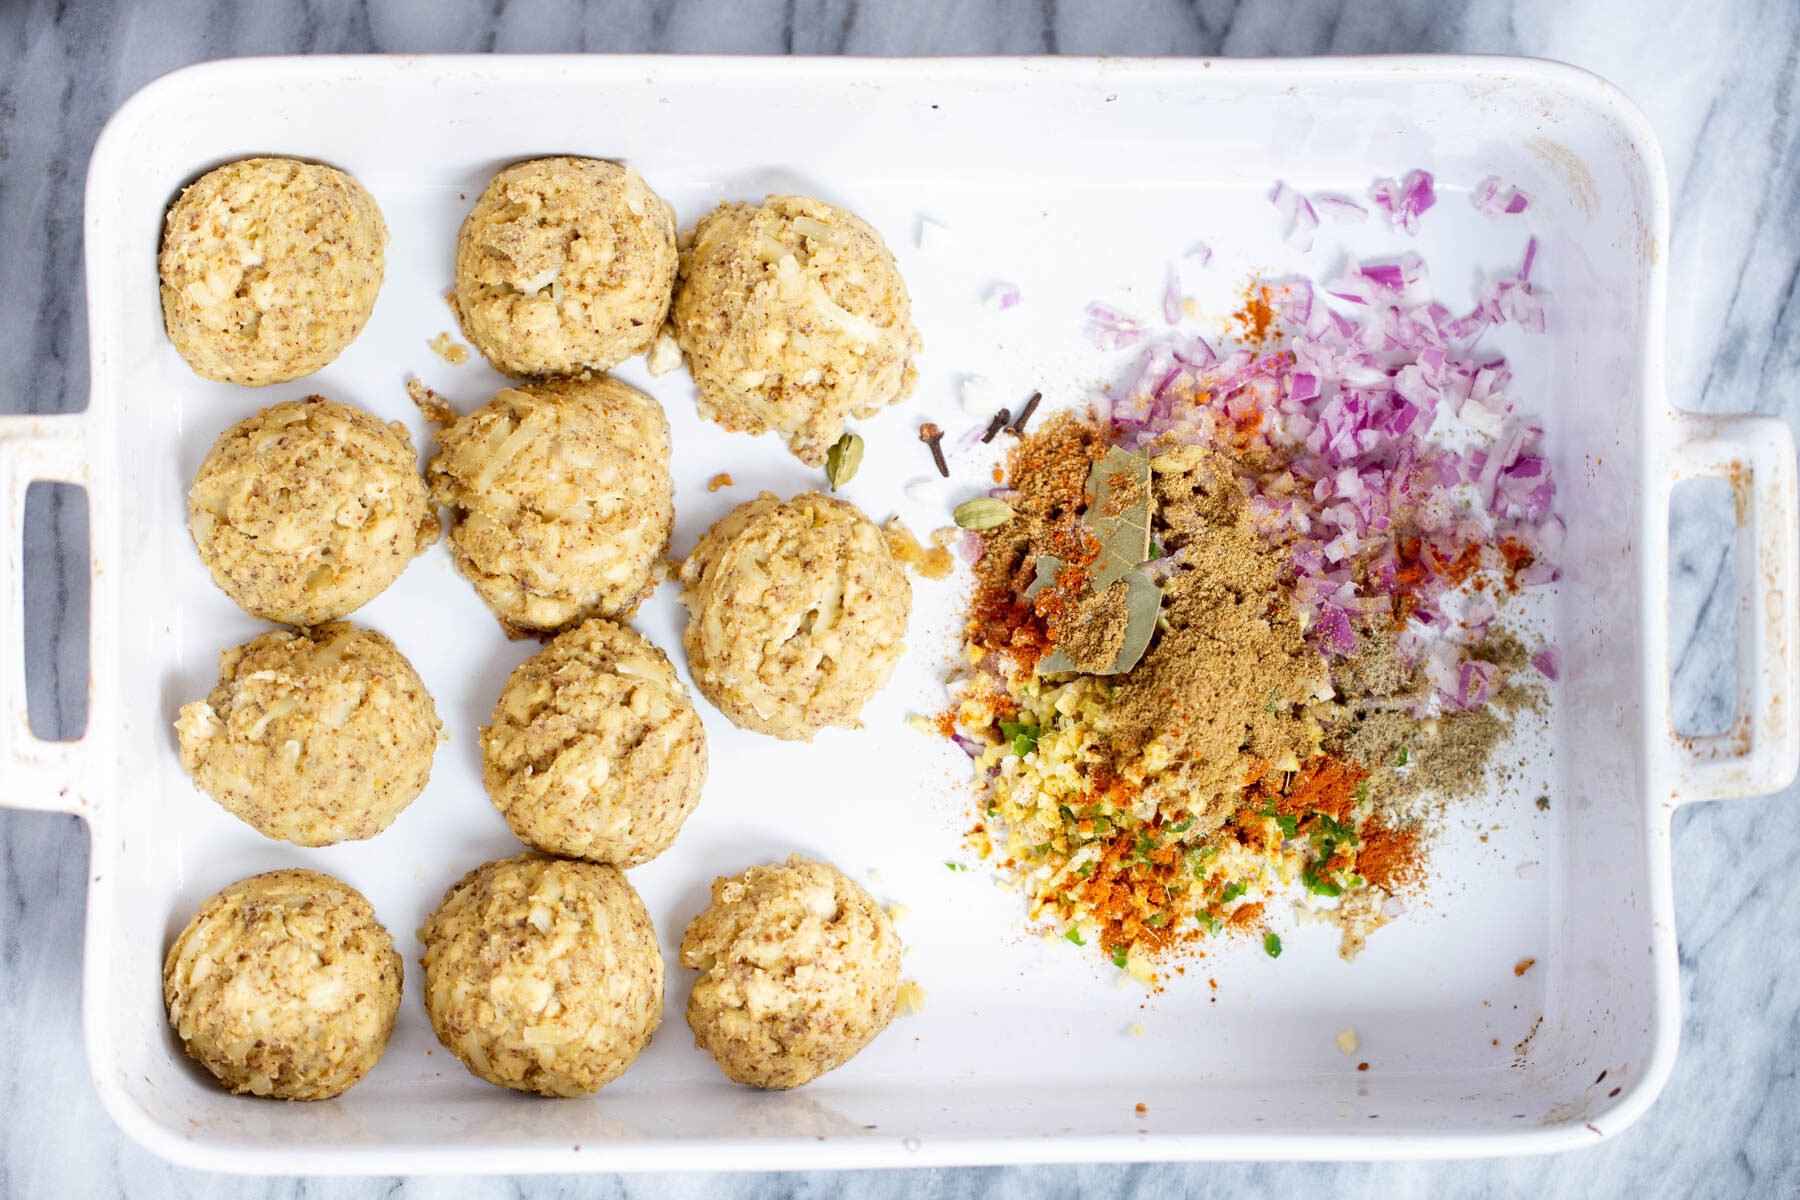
284	985
797	614
595	750
794	318
799	970
313	737
543	974
308	510
565	265
561	500
270	268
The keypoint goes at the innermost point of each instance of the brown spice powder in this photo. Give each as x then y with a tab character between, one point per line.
1446	759
1226	681
1091	632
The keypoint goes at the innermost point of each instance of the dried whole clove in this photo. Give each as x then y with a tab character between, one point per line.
932	436
1018	426
996	425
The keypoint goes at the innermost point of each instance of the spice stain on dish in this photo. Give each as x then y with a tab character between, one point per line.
1574	173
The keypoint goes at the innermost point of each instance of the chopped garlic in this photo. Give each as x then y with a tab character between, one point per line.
980	399
1135	1029
1346	1041
910	999
898	912
932	236
922	492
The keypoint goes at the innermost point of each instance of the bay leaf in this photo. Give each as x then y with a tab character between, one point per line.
1143	606
1118	512
1048	566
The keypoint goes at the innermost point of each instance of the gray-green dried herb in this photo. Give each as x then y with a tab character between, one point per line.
1118	512
1047	567
1143	604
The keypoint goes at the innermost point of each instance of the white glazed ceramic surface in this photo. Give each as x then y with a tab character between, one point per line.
1074	180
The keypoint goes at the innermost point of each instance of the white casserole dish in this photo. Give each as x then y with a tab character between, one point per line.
1075	179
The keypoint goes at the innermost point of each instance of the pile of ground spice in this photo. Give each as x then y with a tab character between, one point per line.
1230	676
1090	630
1429	762
1254	320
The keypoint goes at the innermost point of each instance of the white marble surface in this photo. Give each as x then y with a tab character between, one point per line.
1718	80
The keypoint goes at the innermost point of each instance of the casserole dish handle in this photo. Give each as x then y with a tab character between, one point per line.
1759	751
37	774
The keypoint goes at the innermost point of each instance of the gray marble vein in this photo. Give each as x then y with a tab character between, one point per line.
1718	80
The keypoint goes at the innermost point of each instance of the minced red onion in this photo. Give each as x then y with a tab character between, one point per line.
1350	403
1341	210
1114	330
1172	299
1494	198
1405	200
1003	297
1303	219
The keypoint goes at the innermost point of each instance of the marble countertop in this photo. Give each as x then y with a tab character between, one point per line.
1719	82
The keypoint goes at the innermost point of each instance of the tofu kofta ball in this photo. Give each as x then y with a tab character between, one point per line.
308	510
543	974
270	267
315	736
794	318
797	613
285	985
561	500
799	970
565	265
595	750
